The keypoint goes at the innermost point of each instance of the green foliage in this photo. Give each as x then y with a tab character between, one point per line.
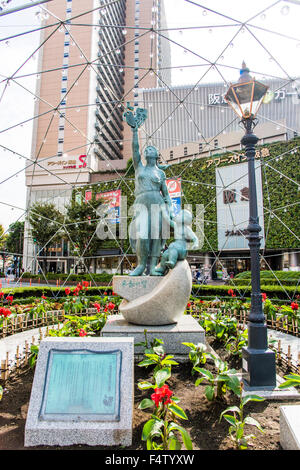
234	344
219	325
197	354
45	221
81	223
289	278
15	237
292	380
237	421
34	351
161	431
218	384
155	355
80	325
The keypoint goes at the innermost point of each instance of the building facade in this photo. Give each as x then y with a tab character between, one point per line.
187	121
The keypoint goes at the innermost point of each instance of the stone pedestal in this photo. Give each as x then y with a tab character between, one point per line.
187	330
155	300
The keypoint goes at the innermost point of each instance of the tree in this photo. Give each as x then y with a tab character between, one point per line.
80	228
46	227
14	242
3	237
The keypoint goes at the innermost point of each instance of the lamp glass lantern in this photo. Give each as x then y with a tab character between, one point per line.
246	96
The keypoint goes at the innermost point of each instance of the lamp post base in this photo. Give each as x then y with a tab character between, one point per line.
259	370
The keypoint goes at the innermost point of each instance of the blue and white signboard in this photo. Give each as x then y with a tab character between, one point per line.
232	193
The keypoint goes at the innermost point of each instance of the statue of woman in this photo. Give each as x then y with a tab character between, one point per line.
146	231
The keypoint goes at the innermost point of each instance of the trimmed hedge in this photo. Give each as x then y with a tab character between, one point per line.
271	278
103	277
273	292
201	291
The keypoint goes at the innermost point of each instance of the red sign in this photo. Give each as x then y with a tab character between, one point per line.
113	198
82	159
88	195
174	187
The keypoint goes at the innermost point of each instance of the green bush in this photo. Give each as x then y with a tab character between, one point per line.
271	278
273	292
103	277
26	293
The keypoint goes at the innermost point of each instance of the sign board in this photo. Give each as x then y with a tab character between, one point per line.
82	392
174	189
232	194
112	199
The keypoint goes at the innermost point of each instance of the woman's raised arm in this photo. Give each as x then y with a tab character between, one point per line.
136	156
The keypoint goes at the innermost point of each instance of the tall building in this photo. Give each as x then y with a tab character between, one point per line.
93	57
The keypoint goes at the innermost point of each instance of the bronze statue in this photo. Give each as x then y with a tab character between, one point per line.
152	201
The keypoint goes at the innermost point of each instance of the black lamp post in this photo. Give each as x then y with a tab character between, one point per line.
245	97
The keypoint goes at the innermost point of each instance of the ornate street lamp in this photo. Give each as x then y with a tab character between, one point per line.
259	371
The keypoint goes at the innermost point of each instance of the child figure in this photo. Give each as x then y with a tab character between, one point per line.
177	250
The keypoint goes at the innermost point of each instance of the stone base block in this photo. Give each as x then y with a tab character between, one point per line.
186	330
79	414
290	427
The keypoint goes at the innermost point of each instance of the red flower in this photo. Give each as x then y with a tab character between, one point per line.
230	292
1	294
97	306
76	291
188	305
44	297
9	298
111	306
82	332
67	291
79	286
85	283
105	293
5	312
162	395
294	306
201	301
113	293
264	296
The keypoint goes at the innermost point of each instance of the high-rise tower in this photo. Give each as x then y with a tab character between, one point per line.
93	58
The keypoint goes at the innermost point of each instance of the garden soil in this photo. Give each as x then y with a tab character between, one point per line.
206	430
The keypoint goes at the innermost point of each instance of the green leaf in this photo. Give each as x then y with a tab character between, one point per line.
146	403
177	411
205	373
147	429
231	420
248	398
253	422
146	362
185	436
161	376
189	345
234	385
233	409
209	392
159	350
174	444
145	385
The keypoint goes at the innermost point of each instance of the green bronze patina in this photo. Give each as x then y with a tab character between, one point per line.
177	250
152	211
